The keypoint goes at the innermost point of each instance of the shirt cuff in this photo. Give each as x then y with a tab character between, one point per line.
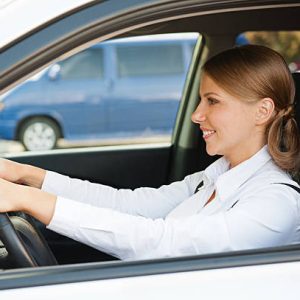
66	218
55	183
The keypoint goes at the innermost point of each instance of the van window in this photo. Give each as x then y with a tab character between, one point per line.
148	60
86	64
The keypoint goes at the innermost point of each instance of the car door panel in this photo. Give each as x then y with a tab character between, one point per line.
118	166
244	275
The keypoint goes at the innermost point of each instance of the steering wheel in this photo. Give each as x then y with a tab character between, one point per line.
25	246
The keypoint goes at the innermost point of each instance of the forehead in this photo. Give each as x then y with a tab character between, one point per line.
208	85
211	88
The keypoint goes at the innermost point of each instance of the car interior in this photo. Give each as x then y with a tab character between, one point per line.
132	166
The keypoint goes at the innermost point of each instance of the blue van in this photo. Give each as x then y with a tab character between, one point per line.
119	88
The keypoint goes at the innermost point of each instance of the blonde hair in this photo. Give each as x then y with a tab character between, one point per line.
251	73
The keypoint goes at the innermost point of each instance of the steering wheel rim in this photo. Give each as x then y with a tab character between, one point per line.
24	244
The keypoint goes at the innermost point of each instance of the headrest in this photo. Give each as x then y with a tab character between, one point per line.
296	77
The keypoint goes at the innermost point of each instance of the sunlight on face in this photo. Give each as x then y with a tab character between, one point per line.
228	123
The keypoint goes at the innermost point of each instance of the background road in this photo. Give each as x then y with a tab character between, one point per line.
16	147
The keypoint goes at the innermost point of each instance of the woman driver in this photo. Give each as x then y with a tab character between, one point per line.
243	200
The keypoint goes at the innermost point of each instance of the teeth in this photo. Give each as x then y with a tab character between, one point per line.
208	132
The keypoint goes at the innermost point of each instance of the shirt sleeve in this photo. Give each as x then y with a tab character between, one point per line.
253	223
147	202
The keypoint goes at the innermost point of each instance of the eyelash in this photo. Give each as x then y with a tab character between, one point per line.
212	101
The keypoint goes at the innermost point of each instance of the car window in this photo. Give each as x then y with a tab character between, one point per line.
287	43
121	91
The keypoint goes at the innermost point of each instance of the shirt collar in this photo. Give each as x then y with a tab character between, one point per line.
226	180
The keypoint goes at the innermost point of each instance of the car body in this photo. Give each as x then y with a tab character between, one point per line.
84	272
102	85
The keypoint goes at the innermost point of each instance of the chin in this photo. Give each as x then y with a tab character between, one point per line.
212	152
213	149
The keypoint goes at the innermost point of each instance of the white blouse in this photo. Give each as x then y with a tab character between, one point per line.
250	210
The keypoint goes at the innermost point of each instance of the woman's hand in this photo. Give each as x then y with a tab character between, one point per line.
21	173
15	197
10	196
11	171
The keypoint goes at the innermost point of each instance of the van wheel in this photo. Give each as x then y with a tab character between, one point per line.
39	134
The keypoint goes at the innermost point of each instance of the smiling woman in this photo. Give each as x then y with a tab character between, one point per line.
247	199
228	125
254	97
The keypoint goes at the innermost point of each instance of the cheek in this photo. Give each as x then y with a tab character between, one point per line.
223	121
231	124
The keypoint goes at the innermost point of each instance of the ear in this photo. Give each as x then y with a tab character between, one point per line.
265	110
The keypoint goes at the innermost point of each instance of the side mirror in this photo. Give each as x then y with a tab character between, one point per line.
54	72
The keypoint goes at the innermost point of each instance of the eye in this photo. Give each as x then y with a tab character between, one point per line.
212	101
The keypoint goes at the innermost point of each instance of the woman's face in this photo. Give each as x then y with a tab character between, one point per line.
228	123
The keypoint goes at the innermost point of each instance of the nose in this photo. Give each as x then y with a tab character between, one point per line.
198	115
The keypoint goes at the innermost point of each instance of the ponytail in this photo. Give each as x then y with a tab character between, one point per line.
284	141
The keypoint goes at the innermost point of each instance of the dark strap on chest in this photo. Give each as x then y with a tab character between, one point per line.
292	186
198	187
287	184
297	189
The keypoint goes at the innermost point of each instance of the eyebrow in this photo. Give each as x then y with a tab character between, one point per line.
210	93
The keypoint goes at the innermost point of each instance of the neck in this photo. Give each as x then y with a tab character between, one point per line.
235	160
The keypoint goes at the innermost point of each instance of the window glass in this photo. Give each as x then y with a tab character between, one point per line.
87	64
122	91
154	59
287	43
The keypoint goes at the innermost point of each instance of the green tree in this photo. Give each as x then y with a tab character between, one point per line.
287	43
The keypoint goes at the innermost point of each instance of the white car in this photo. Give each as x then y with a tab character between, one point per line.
36	34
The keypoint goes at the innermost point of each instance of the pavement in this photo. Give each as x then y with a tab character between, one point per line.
16	147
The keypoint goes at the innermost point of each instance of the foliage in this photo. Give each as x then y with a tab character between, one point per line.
287	43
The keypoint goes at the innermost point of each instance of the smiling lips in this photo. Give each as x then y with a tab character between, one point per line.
207	133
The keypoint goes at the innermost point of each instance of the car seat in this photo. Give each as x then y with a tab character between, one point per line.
296	77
